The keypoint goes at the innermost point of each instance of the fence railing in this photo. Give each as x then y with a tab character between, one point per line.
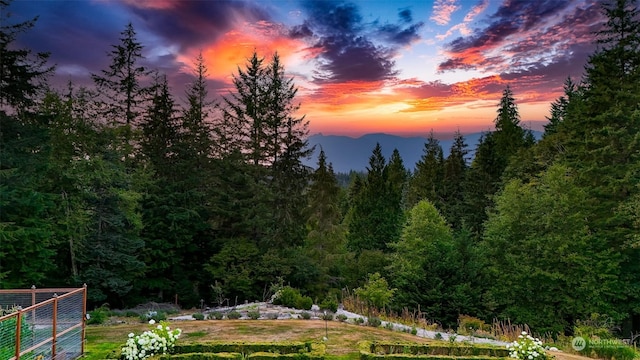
50	327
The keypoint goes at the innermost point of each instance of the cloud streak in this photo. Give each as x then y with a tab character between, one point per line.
442	11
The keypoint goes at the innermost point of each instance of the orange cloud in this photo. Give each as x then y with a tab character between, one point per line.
232	50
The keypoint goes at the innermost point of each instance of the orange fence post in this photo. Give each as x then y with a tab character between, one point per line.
18	333
55	325
84	317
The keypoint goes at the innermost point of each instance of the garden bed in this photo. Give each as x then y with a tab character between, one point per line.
457	351
247	350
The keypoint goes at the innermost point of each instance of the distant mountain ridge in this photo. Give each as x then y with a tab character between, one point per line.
346	153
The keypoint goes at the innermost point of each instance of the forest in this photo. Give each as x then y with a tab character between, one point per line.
144	197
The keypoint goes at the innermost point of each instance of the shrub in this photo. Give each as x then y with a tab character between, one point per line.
158	340
198	316
327	316
342	317
526	348
414	331
98	316
304	303
156	316
305	315
617	352
233	315
287	296
469	324
374	321
358	320
216	315
330	304
388	325
438	336
253	314
131	314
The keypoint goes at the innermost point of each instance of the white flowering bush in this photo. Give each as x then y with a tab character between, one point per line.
159	340
526	348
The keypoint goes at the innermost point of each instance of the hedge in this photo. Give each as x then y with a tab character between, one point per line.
244	348
378	351
203	356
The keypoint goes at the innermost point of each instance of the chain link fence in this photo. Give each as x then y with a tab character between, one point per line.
42	324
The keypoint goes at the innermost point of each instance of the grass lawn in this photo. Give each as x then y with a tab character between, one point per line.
106	340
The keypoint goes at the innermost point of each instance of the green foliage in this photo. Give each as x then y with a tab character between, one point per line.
374	321
259	351
539	238
341	317
8	328
198	316
156	316
375	291
595	326
527	347
216	315
433	270
326	316
427	180
98	316
609	350
469	324
253	314
305	315
330	304
375	216
290	297
233	315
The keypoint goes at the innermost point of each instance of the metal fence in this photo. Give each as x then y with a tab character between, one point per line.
46	324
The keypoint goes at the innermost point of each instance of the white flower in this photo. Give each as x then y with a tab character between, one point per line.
151	322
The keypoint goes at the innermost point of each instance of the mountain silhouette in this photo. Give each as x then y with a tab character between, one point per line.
347	153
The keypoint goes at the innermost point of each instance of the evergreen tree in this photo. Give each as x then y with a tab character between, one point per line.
325	243
287	146
560	107
455	171
375	216
480	183
245	111
539	237
27	247
164	215
23	74
121	84
509	137
196	130
426	182
426	267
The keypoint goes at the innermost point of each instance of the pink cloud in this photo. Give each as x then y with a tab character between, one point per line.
442	10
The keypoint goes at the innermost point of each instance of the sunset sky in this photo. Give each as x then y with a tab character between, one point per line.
400	67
